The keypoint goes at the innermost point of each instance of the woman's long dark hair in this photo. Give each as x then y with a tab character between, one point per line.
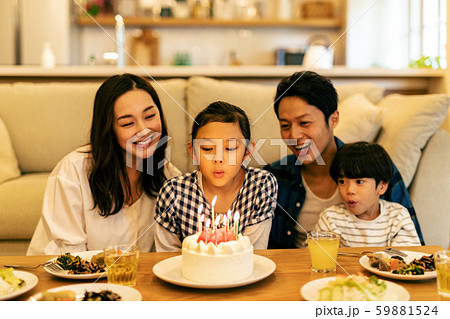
108	169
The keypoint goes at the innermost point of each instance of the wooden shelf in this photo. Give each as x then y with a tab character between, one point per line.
172	22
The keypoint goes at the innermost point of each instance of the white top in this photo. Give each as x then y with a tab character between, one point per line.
68	222
393	227
312	207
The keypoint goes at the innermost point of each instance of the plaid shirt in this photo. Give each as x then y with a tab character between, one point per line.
180	197
292	193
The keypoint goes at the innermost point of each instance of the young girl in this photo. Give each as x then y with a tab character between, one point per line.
220	143
363	171
104	193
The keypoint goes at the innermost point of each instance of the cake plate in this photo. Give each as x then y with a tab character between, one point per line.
169	270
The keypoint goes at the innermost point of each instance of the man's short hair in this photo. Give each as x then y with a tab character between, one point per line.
311	87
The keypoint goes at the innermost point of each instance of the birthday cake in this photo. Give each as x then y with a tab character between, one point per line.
217	257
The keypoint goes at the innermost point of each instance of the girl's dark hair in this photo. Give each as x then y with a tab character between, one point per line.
362	160
222	112
108	171
311	87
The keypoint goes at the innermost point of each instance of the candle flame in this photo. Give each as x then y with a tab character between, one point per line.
229	214
236	216
200	208
217	220
214	201
225	219
202	218
208	223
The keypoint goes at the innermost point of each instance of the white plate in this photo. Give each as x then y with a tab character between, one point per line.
310	290
127	293
170	270
86	255
364	261
30	281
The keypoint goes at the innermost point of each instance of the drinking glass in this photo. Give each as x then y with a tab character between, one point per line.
442	262
323	248
121	264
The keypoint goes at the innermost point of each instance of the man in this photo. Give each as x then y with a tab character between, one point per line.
306	107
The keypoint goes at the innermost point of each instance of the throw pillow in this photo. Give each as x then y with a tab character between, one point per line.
408	124
9	167
374	93
359	120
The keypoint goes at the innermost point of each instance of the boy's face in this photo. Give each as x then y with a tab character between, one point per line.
219	150
360	196
306	125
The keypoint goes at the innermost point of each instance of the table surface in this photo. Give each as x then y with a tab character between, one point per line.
292	272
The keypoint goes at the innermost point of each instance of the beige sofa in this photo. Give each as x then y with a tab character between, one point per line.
42	122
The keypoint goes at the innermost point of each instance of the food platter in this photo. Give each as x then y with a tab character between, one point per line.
364	262
30	282
170	270
87	255
127	293
310	290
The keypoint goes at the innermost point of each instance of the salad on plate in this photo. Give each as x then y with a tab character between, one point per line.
353	288
9	282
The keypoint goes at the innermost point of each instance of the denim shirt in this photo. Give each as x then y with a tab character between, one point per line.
292	194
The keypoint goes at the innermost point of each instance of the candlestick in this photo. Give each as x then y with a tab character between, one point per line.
236	224
225	221
199	221
216	223
212	210
229	218
208	223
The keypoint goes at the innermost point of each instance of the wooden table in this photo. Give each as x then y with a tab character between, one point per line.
292	272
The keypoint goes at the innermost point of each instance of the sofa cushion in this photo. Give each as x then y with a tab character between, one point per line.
255	99
431	188
21	204
408	123
359	119
47	120
9	167
374	93
172	95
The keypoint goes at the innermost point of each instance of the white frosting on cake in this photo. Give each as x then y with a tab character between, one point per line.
227	262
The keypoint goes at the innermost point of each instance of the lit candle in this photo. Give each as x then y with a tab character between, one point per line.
199	219
212	210
202	220
229	218
216	223
208	223
236	224
225	221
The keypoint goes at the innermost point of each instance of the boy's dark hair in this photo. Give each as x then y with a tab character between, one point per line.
362	159
311	87
222	112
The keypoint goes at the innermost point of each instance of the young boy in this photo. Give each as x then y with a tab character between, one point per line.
362	172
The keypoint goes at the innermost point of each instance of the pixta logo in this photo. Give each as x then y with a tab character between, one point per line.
224	151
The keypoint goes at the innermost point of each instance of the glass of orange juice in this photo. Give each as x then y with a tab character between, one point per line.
442	262
323	248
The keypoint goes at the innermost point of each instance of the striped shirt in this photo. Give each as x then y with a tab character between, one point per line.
393	227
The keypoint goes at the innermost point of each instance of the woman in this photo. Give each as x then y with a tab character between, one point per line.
104	193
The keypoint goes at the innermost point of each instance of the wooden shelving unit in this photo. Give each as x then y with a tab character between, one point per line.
172	22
